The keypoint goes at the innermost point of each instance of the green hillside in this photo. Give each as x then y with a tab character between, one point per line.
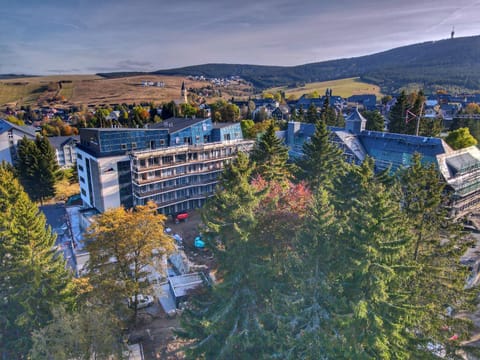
450	64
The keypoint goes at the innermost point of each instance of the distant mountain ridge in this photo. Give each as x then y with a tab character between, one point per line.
450	63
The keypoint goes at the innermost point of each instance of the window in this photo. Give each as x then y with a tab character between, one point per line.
84	193
82	180
80	167
162	142
123	146
134	145
79	156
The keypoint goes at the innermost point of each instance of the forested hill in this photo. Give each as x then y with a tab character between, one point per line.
452	63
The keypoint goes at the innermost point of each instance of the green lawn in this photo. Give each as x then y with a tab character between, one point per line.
342	87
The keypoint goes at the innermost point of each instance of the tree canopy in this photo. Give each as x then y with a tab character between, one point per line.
460	138
33	278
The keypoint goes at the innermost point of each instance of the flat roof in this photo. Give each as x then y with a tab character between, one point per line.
182	284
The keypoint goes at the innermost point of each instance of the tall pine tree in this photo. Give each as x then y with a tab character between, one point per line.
321	161
227	320
270	156
37	168
397	114
33	279
436	251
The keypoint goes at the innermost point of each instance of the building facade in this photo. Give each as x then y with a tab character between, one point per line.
64	147
175	163
10	134
459	168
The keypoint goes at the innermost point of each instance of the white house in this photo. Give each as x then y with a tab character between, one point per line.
10	134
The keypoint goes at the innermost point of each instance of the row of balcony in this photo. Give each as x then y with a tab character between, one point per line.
139	193
160	178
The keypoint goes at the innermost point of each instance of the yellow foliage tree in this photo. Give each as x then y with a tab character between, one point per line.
122	244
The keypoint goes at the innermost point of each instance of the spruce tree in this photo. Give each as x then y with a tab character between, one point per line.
47	169
375	121
270	156
305	331
321	160
371	312
33	278
436	250
37	168
328	114
397	115
227	321
312	114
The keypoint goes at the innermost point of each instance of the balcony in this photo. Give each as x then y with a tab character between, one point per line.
143	194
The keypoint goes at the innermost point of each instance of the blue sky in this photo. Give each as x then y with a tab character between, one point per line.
89	36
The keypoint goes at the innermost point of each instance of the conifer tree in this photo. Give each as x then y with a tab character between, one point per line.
37	168
306	330
312	114
47	169
227	321
397	115
436	250
321	160
33	278
375	121
372	311
270	156
328	114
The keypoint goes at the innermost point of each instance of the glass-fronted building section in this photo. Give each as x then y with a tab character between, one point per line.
175	163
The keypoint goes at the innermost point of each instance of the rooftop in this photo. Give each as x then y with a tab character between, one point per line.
175	124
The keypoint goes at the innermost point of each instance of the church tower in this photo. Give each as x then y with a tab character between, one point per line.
184	94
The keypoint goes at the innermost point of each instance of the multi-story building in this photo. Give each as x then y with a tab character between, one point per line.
459	168
64	147
175	163
10	134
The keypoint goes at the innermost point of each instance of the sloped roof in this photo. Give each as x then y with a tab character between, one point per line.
175	124
396	150
58	141
355	116
6	126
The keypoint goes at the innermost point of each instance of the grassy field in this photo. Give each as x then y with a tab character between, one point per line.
31	90
341	87
95	90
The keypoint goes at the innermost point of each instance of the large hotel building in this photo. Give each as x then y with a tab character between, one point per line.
175	163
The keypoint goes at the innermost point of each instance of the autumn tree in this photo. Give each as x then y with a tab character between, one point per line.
460	138
33	278
120	243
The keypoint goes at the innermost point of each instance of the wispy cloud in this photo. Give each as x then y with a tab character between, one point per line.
144	35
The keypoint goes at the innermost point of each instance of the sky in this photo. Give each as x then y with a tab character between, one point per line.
46	37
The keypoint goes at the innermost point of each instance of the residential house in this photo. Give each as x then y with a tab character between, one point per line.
10	134
64	147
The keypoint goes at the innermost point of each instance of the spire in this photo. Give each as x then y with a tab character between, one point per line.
184	93
452	34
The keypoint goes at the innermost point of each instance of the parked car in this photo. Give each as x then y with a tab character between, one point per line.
143	301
